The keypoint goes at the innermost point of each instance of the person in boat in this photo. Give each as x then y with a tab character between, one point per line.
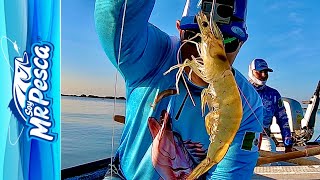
273	106
169	139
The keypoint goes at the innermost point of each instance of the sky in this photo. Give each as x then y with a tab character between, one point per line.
285	33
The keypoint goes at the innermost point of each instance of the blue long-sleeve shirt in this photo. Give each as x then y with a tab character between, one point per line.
169	140
273	106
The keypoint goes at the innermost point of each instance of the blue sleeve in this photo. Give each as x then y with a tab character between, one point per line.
143	46
282	120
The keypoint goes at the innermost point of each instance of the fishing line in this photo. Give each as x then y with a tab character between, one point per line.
116	83
16	48
253	112
17	138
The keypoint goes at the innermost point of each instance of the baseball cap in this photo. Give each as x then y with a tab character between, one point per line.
188	20
259	65
236	28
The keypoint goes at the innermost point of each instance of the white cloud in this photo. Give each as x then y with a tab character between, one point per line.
287	36
280	5
295	18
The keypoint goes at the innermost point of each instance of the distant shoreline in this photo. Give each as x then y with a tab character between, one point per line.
110	97
93	96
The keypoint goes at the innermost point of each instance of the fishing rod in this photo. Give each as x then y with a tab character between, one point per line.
270	158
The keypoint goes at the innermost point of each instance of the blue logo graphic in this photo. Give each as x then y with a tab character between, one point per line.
31	103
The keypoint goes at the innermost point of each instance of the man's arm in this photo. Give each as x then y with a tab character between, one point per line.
282	121
143	46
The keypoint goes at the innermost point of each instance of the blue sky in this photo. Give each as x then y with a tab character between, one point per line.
286	33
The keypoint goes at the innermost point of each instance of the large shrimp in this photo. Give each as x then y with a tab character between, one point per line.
222	95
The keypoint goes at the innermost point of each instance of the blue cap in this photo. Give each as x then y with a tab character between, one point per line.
188	20
259	65
237	27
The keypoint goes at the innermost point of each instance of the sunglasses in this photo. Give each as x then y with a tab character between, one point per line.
231	44
188	34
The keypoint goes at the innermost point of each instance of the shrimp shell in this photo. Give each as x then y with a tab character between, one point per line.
221	96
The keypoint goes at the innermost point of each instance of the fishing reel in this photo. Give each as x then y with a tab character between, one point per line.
220	10
303	137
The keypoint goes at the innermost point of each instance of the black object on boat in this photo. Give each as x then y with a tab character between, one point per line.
92	170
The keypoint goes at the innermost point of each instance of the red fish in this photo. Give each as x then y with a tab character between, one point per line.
171	156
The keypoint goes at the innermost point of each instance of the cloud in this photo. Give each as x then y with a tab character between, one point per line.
286	54
280	5
295	18
297	55
274	6
287	35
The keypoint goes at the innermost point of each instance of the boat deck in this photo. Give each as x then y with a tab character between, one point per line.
287	172
278	170
284	170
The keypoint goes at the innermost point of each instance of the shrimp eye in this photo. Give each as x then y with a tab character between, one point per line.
205	24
